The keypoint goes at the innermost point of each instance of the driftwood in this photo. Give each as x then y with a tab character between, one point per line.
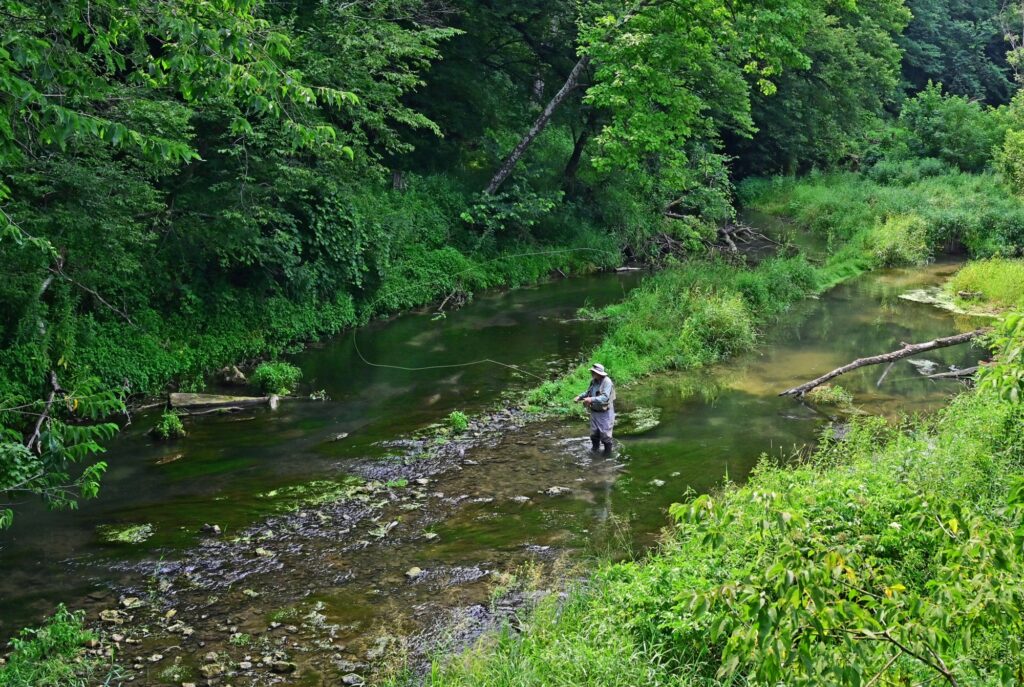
208	401
907	351
955	374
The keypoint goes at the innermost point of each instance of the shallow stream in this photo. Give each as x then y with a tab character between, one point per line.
335	580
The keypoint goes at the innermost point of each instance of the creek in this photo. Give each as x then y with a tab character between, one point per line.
321	579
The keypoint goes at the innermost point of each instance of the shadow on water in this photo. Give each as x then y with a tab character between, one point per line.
494	511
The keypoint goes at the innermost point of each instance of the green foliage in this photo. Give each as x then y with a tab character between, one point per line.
689	315
889	554
52	655
823	109
458	421
1009	160
61	437
900	240
952	128
276	377
169	426
958	209
1004	376
999	282
960	44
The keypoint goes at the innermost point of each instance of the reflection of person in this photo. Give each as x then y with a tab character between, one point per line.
599	398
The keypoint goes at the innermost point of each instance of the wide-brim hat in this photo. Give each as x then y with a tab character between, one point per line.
598	368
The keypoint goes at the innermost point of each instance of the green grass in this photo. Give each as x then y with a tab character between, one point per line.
53	656
1000	282
955	209
641	623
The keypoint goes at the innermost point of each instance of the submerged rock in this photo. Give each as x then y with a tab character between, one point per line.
638	421
413	573
557	491
352	679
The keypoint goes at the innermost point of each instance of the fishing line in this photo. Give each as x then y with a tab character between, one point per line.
483	361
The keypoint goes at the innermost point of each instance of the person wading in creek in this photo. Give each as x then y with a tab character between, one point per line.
599	398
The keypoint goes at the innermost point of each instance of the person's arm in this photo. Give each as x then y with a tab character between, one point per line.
603	391
583	396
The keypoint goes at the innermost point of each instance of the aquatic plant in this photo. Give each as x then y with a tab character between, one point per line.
276	378
830	395
169	426
125	534
458	422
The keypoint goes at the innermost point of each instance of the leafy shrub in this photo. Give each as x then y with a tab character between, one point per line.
458	421
900	240
999	281
276	377
905	172
169	426
959	131
718	327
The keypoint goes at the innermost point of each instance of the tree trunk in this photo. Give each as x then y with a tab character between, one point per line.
538	126
573	166
907	351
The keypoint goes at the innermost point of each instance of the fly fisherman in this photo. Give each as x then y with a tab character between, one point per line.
599	398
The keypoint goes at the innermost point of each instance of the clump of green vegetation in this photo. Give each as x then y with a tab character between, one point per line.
694	314
399	483
957	209
240	639
125	534
276	378
900	240
169	426
830	395
314	493
999	282
289	614
458	422
53	656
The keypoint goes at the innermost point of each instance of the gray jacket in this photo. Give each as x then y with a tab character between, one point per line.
603	393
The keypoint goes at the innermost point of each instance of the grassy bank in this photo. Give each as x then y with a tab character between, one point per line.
805	573
923	210
998	283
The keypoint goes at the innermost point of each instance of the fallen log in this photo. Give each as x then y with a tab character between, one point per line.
907	351
955	374
207	401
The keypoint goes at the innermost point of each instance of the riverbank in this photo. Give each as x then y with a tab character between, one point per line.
885	557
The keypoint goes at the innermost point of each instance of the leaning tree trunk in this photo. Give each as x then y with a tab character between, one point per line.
907	351
573	166
538	126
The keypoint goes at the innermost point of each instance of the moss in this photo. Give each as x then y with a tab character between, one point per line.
125	534
314	493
